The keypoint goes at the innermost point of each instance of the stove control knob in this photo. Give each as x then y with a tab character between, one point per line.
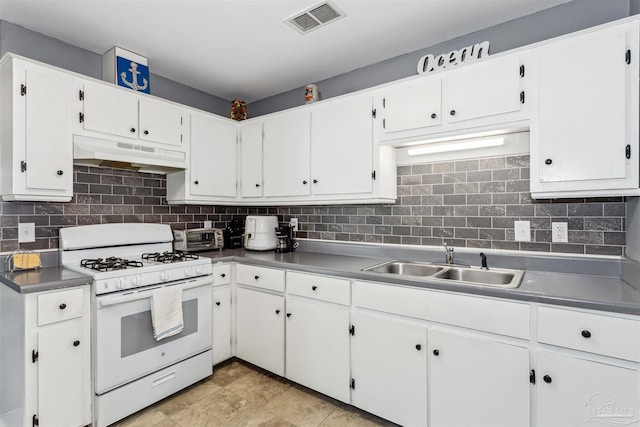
199	269
164	276
188	271
121	283
136	281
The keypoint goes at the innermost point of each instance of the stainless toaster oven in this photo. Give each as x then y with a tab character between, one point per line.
198	239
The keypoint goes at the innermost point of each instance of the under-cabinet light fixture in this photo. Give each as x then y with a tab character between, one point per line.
455	146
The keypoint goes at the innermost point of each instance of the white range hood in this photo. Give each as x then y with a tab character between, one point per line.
123	155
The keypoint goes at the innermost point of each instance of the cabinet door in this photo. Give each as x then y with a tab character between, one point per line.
389	368
584	120
286	152
64	373
251	159
221	324
48	144
477	382
110	110
260	329
342	140
161	122
482	89
212	157
578	392
412	105
317	349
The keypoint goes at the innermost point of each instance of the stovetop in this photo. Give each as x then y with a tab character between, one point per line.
119	263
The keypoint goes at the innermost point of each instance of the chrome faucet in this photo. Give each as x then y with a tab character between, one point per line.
448	254
484	261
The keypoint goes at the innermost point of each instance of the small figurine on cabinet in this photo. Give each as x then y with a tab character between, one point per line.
238	110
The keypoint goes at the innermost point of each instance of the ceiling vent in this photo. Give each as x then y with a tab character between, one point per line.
315	17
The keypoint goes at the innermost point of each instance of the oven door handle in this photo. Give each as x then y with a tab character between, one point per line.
136	296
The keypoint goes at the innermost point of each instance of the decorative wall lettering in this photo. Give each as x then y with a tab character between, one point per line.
430	63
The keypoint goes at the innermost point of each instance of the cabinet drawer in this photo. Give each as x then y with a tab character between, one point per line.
221	274
261	277
483	314
329	289
58	306
591	332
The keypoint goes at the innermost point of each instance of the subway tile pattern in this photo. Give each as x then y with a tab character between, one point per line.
467	203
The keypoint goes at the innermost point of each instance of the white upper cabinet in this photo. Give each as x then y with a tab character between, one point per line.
251	159
114	111
484	89
286	154
584	133
342	146
488	93
35	131
211	174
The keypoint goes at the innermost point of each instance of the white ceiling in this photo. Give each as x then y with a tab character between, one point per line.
242	49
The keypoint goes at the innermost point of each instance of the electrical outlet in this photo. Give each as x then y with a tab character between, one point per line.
522	231
559	232
208	224
26	232
293	222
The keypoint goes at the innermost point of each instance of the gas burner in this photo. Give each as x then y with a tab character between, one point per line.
168	257
108	264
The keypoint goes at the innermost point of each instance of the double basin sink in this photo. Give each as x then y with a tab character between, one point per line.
496	277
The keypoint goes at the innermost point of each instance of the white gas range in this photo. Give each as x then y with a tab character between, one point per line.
128	262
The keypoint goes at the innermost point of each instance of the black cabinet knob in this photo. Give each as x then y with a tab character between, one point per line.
63	306
196	182
277	311
304	182
418	347
586	334
76	343
436	352
218	303
60	172
433	115
288	314
314	287
547	379
132	130
452	112
256	277
548	162
315	181
257	185
223	275
146	132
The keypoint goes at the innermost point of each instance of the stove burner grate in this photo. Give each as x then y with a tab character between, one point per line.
168	257
108	264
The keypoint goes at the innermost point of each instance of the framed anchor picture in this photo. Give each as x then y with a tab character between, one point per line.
126	69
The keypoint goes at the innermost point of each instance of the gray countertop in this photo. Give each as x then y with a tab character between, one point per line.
589	291
43	279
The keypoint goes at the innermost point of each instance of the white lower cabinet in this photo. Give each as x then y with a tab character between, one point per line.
389	368
221	324
475	381
575	391
317	350
260	329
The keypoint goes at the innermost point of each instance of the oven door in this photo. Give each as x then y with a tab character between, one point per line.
125	348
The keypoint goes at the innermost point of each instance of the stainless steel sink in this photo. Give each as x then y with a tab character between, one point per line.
494	277
497	277
405	268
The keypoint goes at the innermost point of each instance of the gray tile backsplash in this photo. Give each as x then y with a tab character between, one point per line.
468	203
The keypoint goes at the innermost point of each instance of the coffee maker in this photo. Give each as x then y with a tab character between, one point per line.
285	242
233	234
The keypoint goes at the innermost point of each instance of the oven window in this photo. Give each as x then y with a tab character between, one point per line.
136	330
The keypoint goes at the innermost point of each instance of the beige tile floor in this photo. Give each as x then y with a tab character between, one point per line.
239	394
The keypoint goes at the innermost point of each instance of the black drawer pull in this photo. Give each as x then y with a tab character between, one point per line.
586	334
76	343
418	347
146	132
63	306
223	275
60	172
218	303
433	115
547	379
548	162
256	277
288	314
132	130
314	287
277	311
436	352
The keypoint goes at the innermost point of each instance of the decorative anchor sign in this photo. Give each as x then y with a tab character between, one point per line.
429	63
133	75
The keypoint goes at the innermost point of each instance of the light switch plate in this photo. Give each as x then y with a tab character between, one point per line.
522	231
26	232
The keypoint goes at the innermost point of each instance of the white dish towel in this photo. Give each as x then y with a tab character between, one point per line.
166	312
